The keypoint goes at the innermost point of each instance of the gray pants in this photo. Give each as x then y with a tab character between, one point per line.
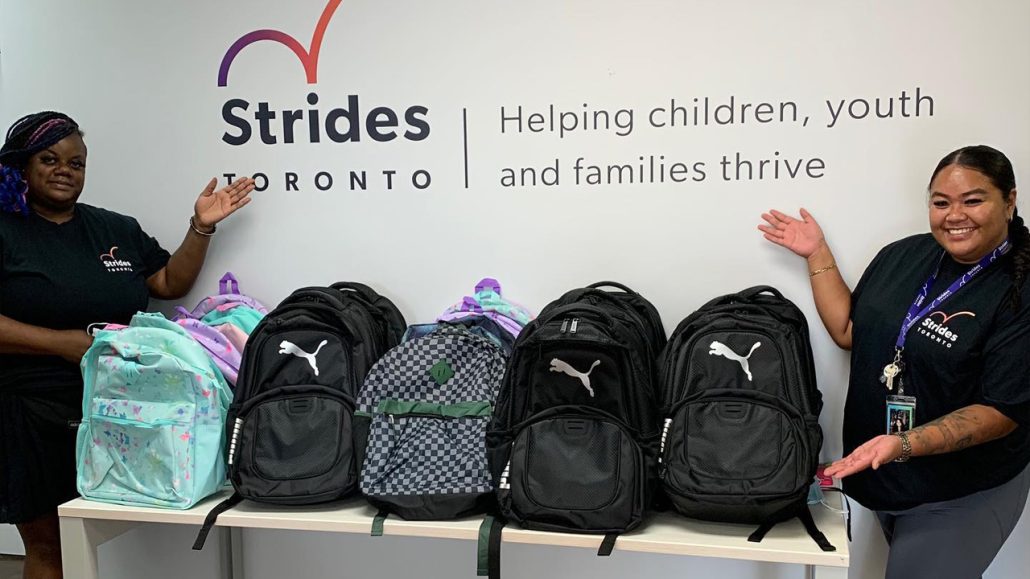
954	539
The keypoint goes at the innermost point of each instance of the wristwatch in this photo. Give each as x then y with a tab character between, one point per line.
906	447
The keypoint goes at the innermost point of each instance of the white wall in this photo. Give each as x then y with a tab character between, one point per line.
140	77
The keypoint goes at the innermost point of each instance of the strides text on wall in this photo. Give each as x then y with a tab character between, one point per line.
339	124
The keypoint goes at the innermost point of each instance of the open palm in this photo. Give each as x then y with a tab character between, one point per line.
873	454
213	206
802	236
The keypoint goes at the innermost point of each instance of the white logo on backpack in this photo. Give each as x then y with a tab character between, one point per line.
584	377
720	349
287	347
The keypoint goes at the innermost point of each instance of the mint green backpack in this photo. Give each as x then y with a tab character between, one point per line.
153	417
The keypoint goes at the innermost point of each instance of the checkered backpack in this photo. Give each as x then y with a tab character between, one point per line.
426	404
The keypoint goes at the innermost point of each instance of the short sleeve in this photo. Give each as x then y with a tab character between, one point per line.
1006	377
153	255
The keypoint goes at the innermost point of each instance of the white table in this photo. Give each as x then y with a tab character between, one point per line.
85	525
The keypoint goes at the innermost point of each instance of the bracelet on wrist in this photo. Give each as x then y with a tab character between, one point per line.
906	447
822	270
196	230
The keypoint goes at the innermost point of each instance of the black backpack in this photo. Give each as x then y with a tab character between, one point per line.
741	435
574	439
291	423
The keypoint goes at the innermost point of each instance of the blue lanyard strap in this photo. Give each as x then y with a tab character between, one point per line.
916	312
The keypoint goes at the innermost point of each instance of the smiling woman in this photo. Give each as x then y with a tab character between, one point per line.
969	213
59	272
937	419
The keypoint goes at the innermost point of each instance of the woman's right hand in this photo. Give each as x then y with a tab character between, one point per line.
802	236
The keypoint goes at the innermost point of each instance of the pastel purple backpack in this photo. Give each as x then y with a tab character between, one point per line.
228	297
222	342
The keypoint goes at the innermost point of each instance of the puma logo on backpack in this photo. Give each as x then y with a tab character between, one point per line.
584	377
287	347
720	349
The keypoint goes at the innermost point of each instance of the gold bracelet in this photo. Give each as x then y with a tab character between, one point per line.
822	269
201	233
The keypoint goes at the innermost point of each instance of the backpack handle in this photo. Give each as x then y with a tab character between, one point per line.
564	310
228	284
182	314
469	304
359	288
751	292
613	284
489	283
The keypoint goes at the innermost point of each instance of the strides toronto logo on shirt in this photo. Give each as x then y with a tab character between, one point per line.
935	326
114	264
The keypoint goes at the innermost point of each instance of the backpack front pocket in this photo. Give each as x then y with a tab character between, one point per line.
138	452
426	448
297	437
580	471
733	442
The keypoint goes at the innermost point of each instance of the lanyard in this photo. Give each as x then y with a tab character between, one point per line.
916	312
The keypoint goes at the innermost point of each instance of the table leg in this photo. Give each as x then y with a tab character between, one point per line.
824	572
232	552
79	541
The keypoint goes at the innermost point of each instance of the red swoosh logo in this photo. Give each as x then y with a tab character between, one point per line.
308	57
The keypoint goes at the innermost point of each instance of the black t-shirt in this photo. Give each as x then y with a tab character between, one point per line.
973	349
90	269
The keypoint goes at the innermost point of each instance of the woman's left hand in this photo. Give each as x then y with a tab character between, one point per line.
214	206
875	453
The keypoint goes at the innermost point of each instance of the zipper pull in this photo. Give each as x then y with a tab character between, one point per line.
575	324
564	326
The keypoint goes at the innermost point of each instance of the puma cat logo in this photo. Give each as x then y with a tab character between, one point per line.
584	377
287	347
720	349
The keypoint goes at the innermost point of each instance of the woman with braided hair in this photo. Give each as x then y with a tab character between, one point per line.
939	333
64	265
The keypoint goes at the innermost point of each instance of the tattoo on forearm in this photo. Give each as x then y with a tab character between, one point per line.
964	442
959	430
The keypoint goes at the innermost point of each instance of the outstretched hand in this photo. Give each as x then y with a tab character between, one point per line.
873	454
213	206
802	236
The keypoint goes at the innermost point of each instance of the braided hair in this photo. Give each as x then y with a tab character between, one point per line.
26	137
994	165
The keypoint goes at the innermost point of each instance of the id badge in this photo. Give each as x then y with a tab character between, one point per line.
901	413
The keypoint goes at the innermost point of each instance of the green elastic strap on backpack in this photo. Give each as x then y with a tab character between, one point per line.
488	552
377	522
